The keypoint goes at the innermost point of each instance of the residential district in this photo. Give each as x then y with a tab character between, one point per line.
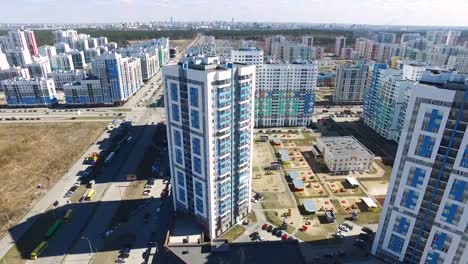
223	150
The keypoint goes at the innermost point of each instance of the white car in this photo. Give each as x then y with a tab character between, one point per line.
146	193
108	233
344	228
339	234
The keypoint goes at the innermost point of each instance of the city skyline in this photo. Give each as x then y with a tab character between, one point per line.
375	12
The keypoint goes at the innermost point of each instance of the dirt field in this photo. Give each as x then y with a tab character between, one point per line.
37	153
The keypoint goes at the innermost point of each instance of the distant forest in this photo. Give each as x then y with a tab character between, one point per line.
321	37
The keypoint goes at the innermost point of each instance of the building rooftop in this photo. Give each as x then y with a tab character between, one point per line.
344	146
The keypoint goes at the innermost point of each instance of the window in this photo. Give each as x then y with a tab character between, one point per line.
197	165
194	119
178	138
194	96
181	194
174	92
175	113
200	206
196	146
198	188
179	158
180	179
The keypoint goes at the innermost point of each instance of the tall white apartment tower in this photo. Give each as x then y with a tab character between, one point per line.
425	214
340	43
209	110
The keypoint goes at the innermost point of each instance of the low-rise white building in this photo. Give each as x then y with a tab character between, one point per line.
342	154
30	92
413	72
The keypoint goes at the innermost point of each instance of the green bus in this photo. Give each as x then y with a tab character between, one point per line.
51	231
68	215
37	251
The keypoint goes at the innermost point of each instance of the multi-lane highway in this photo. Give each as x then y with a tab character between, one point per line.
93	218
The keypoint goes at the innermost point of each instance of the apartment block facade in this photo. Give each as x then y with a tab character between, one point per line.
209	110
425	214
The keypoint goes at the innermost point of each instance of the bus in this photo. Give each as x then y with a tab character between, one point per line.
51	231
68	215
37	251
90	194
109	158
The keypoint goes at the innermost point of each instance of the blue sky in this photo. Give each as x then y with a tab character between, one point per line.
388	12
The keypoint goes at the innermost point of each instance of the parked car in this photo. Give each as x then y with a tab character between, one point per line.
367	230
285	237
344	228
339	234
349	226
264	226
279	234
269	228
245	222
275	231
254	234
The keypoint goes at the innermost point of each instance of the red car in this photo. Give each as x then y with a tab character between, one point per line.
285	237
264	226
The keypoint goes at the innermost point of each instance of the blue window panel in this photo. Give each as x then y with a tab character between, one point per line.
396	243
181	194
449	212
418	177
179	156
427	144
458	190
194	119
432	258
196	146
197	165
178	138
439	240
174	92
194	96
175	113
409	199
180	179
434	121
464	160
200	206
403	226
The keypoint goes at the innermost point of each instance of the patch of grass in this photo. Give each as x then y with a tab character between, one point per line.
273	218
368	218
252	217
233	233
120	109
33	153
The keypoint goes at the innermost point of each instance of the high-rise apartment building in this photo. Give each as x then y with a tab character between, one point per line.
40	67
458	63
122	75
285	93
48	51
31	42
290	52
149	59
249	56
452	38
62	62
273	39
209	110
18	56
308	41
3	61
385	101
62	47
425	215
386	37
78	59
30	92
340	43
350	84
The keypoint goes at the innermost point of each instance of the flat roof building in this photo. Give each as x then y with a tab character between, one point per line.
343	154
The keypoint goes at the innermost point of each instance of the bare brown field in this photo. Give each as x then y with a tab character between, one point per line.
37	153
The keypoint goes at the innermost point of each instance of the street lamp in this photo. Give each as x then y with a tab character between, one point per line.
90	247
